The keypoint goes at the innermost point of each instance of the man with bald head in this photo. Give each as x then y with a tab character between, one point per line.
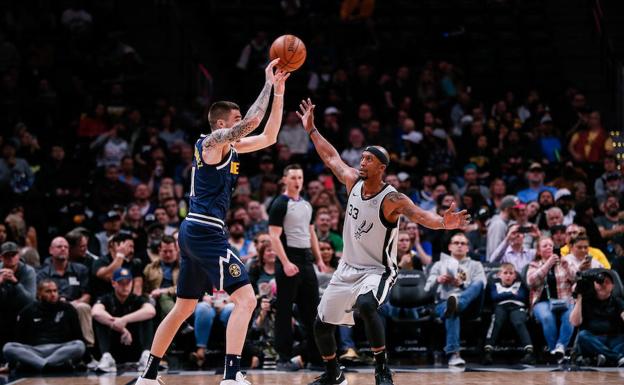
72	280
368	267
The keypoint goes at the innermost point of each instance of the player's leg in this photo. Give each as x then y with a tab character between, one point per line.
367	306
244	300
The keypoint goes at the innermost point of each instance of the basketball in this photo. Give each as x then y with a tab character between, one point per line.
291	51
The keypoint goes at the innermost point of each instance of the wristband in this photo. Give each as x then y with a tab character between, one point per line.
313	131
278	94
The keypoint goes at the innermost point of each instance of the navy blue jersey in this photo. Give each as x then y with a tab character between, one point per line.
212	187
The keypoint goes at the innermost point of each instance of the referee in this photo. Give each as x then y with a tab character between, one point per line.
294	240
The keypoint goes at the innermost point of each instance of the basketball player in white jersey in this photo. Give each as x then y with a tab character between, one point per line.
368	266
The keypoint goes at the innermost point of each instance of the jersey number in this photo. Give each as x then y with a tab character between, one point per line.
353	212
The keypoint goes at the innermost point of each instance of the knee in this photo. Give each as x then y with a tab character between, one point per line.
79	346
8	348
83	308
367	305
204	310
322	328
584	335
183	308
246	301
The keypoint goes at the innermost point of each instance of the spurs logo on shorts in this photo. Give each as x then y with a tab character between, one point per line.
235	271
362	229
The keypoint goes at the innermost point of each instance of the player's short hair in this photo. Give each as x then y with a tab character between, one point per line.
220	110
294	166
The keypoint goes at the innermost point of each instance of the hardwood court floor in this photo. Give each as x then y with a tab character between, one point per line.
460	378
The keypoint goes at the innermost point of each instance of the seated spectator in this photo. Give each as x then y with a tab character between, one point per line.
477	234
498	224
550	280
72	281
611	225
580	259
600	317
554	217
258	219
219	304
558	235
415	240
121	254
123	324
324	233
458	281
112	226
161	276
610	172
17	289
78	251
409	259
509	297
565	201
48	331
535	178
238	241
264	269
512	249
574	231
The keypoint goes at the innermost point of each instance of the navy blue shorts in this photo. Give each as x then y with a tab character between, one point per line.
206	261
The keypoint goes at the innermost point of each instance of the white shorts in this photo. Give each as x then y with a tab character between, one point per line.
346	285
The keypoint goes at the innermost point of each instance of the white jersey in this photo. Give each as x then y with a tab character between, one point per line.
370	241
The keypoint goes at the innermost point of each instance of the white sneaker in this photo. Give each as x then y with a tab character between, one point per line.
142	364
456	360
145	381
240	380
559	349
107	364
93	364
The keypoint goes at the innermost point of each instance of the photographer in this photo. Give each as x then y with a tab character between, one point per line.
600	317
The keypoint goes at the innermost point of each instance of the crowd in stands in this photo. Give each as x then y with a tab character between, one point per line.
95	175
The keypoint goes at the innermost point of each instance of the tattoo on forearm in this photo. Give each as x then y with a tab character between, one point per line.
252	119
329	155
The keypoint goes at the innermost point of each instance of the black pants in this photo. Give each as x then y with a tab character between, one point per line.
518	317
302	290
109	341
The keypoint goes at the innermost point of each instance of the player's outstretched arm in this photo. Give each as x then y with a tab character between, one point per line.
397	204
345	174
269	135
252	118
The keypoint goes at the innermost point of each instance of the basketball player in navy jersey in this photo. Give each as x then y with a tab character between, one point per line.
368	267
206	260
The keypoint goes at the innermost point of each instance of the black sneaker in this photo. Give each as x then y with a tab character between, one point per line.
451	306
487	358
528	359
325	379
287	366
383	377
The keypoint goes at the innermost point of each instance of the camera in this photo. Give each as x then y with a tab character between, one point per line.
585	281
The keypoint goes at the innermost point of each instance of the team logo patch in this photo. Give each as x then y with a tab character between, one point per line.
362	229
235	271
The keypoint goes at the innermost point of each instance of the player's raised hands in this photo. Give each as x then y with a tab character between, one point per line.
306	114
269	73
455	220
280	78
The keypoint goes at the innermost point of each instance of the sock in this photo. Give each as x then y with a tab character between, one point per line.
333	370
232	366
151	371
380	360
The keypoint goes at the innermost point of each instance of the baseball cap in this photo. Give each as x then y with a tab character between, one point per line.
403	176
509	201
331	110
561	193
121	273
9	247
535	166
612	175
546	119
520	205
112	215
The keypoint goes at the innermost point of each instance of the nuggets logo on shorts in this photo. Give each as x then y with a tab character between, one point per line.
235	271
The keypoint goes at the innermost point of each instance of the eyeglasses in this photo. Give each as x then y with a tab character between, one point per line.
457	243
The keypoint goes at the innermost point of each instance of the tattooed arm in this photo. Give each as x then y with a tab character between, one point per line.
345	174
273	124
397	204
252	119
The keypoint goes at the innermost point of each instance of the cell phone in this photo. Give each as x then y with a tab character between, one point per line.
525	229
588	258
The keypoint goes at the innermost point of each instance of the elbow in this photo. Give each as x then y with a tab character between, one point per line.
151	312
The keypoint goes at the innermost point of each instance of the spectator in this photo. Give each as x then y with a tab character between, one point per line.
142	195
110	191
477	234
554	217
558	236
110	146
497	226
17	289
263	270
78	241
266	172
121	254
580	259
574	231
324	233
407	257
123	324
471	178
293	135
512	249
593	144
72	282
550	280
565	201
48	331
353	153
127	172
509	296
112	226
237	240
426	199
258	221
535	177
611	226
458	282
600	317
15	173
173	212
161	276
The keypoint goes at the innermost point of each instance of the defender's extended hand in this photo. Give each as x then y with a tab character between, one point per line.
455	220
306	114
